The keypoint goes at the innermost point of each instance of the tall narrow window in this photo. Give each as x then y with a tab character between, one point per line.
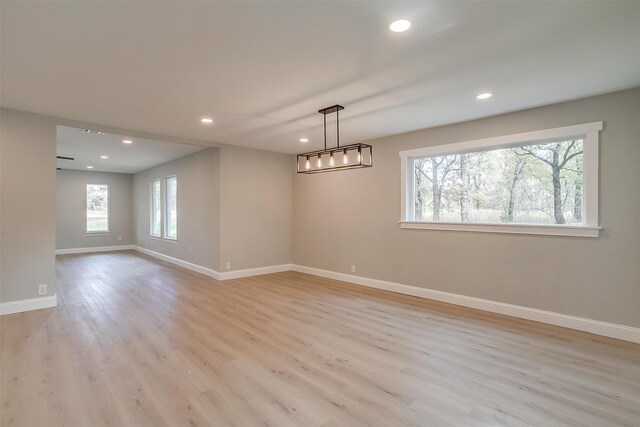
171	208
156	215
97	208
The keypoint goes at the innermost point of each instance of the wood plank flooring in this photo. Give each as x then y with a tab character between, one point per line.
136	342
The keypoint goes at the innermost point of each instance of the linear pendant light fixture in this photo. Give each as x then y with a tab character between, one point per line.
353	156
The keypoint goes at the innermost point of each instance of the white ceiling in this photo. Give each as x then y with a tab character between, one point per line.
141	154
262	69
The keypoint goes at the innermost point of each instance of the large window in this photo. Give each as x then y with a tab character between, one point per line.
156	207
540	182
171	208
97	208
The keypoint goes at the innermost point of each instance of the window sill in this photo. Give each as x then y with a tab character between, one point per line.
163	239
537	229
97	233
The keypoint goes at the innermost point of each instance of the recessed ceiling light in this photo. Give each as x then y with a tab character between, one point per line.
206	120
89	167
104	157
101	133
127	141
304	139
484	95
400	26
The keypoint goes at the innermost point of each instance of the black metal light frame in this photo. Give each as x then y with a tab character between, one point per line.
364	151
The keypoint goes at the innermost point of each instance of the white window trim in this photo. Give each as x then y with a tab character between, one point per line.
151	210
86	219
590	228
165	218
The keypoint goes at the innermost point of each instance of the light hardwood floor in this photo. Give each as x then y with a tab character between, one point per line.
136	342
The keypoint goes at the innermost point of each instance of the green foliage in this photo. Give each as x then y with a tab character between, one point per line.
539	184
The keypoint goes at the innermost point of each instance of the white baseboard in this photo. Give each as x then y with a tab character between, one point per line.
181	263
626	333
19	306
227	275
236	274
93	249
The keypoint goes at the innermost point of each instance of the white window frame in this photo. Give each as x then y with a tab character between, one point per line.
590	132
165	208
86	218
151	207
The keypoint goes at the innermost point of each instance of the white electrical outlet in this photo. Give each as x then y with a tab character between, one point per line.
228	266
42	289
119	237
353	268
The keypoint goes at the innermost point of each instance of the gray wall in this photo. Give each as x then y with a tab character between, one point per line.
198	208
28	204
71	187
257	214
352	217
234	205
255	208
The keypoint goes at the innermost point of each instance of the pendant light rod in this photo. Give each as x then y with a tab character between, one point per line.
333	109
324	116
337	129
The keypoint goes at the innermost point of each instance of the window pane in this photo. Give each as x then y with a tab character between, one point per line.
155	208
171	208
97	208
530	184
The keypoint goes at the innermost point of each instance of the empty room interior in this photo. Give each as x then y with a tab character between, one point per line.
318	213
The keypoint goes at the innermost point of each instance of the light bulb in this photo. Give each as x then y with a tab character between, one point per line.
319	161
332	161
345	158
307	164
359	156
